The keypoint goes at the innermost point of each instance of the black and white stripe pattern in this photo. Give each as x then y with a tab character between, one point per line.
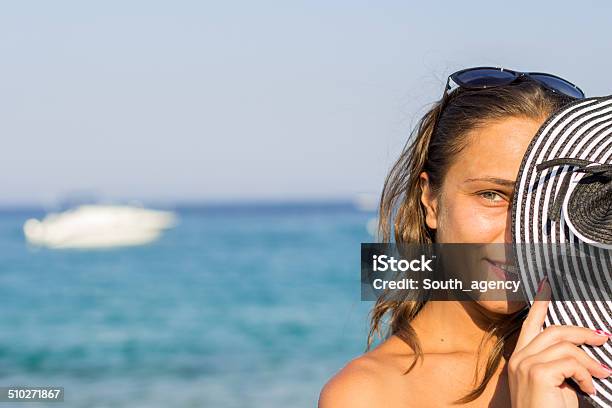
581	130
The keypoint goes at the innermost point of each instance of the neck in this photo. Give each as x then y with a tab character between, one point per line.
452	326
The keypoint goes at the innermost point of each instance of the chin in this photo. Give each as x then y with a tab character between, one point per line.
502	307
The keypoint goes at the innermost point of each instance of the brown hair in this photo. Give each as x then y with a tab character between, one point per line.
439	136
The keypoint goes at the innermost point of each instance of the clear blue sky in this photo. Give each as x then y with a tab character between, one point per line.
180	100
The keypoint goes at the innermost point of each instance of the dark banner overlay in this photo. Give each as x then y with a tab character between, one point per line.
484	272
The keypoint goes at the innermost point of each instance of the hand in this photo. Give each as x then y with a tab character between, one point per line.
543	360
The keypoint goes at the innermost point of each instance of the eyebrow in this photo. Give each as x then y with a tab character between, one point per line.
502	182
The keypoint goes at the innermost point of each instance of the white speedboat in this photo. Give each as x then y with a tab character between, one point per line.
98	226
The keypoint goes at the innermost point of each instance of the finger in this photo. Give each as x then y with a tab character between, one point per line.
566	349
532	326
573	334
554	373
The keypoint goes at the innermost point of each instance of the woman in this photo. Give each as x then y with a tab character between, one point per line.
454	184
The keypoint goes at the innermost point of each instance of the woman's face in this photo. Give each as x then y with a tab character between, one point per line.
474	204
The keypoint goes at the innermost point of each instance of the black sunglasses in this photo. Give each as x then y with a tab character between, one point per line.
489	77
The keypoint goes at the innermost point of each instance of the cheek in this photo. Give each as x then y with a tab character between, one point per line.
464	221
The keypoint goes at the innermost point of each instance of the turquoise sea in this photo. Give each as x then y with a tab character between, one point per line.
237	306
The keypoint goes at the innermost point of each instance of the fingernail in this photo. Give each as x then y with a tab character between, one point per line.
603	333
541	284
594	392
608	369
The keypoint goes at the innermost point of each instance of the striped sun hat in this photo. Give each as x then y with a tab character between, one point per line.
562	221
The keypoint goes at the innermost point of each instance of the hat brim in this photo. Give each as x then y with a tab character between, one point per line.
581	130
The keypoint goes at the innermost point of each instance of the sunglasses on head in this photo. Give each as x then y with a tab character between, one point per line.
490	77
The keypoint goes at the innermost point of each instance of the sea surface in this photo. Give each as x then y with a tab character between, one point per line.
237	306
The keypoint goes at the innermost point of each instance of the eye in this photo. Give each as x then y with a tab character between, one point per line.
492	196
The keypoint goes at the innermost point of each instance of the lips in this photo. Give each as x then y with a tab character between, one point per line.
503	270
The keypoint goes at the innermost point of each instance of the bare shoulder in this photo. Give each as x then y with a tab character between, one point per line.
366	381
380	378
358	384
